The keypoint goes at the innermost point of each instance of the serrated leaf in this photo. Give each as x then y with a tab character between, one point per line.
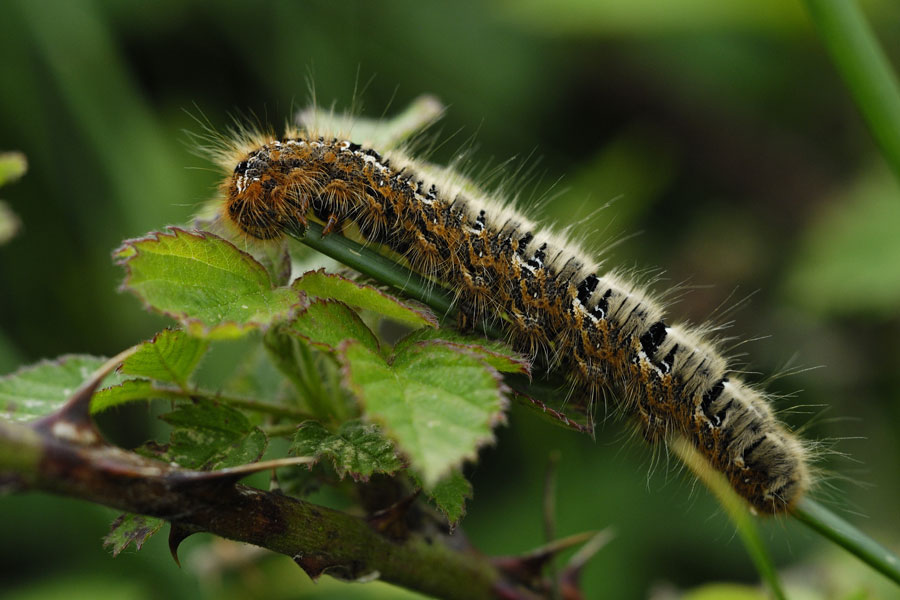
129	528
38	390
439	404
206	283
131	390
256	377
450	495
357	449
330	285
327	323
170	356
493	352
383	133
207	436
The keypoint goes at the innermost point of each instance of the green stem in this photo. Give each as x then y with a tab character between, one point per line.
381	268
864	68
735	507
824	522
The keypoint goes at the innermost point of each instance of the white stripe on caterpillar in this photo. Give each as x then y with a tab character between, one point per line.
602	330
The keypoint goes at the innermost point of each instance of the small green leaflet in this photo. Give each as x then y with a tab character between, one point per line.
128	528
329	285
495	353
438	403
385	134
450	495
40	389
357	449
208	436
326	323
170	356
129	391
206	283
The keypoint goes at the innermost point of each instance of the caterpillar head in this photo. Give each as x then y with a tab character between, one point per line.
258	198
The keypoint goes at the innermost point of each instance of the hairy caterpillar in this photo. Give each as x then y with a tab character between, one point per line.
605	332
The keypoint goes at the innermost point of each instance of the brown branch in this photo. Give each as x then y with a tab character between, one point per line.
63	453
319	539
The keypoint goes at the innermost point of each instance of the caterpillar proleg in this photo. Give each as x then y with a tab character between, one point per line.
550	298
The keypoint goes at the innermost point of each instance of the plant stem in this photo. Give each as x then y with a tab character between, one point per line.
864	68
826	523
387	271
317	538
736	509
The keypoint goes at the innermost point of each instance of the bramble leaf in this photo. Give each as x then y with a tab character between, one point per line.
495	353
126	392
170	356
128	528
333	286
209	436
357	449
327	323
215	290
385	133
439	404
450	495
40	389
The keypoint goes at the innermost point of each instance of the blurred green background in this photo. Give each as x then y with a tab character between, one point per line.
732	155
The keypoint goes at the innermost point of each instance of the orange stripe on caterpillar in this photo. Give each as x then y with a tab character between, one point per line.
603	331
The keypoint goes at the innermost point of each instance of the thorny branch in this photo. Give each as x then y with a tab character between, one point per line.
64	453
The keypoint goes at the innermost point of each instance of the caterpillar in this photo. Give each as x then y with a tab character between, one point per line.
603	331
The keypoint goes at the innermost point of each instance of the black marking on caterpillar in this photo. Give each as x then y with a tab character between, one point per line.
600	329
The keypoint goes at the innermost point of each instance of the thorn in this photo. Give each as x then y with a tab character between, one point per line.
526	568
570	579
72	421
177	534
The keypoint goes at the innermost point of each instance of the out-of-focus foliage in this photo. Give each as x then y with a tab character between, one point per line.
719	132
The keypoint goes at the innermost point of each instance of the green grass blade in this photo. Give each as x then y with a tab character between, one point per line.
827	524
864	68
737	511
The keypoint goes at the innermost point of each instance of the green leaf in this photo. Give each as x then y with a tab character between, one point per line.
493	352
330	285
129	528
129	391
12	166
450	495
357	449
384	134
170	356
439	404
40	389
205	282
209	436
257	377
325	324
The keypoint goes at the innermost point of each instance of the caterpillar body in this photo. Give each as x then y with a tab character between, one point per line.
606	333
